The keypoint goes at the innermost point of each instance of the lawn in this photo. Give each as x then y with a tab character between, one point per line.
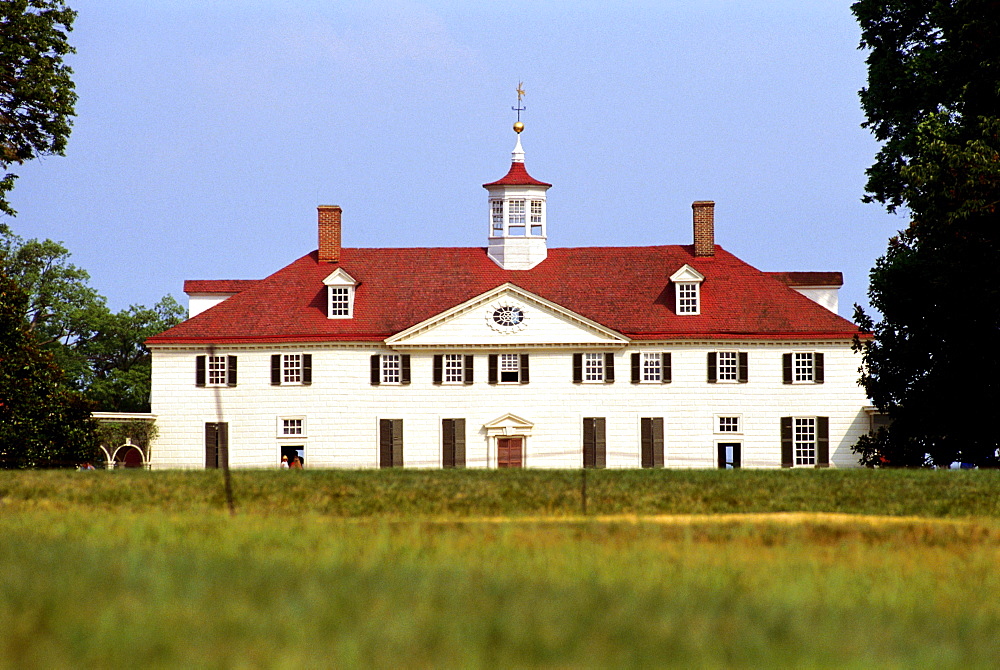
474	569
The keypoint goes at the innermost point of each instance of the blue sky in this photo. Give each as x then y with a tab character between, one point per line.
207	132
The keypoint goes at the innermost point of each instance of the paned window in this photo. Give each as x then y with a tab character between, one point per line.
291	426
593	370
728	366
217	371
510	368
536	217
454	366
340	301
496	211
687	298
515	217
729	424
390	369
805	441
652	367
291	368
803	370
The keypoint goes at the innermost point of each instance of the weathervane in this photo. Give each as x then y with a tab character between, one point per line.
518	127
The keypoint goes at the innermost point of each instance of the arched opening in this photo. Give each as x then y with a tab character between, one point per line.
128	456
107	458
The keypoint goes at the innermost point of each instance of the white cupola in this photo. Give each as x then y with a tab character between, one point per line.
517	214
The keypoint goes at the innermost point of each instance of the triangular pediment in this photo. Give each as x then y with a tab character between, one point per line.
507	316
340	278
687	274
508	424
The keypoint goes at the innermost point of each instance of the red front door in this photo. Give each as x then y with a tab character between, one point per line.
510	452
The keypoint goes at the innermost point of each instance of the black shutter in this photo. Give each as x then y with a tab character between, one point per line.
385	443
600	443
636	374
397	443
275	369
712	374
589	454
453	443
744	373
609	368
658	441
223	444
459	443
376	369
818	372
494	361
468	370
447	443
199	370
786	368
524	369
404	371
438	368
822	441
307	368
667	373
737	455
211	445
786	442
231	380
646	441
722	456
577	368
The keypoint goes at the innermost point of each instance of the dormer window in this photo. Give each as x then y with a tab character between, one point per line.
340	295
687	298
687	290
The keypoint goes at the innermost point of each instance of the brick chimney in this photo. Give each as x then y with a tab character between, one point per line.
704	227
329	233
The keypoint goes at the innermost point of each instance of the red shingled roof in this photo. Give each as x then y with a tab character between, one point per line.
623	288
231	286
517	176
809	278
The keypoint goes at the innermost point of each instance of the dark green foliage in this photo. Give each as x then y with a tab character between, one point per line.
42	422
36	92
934	100
101	352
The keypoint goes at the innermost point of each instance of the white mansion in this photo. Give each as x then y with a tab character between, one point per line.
512	355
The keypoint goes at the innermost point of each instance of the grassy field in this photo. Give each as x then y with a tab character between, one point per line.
474	569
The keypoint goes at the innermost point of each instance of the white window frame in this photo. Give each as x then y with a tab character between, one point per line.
593	368
688	298
511	364
804	449
340	288
217	370
496	217
536	218
291	368
391	369
517	217
802	372
285	423
453	369
723	423
687	291
651	368
732	368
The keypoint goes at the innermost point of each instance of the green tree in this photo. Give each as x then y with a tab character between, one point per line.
933	99
43	423
37	95
119	365
101	352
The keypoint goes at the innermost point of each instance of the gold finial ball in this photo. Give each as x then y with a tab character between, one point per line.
518	127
